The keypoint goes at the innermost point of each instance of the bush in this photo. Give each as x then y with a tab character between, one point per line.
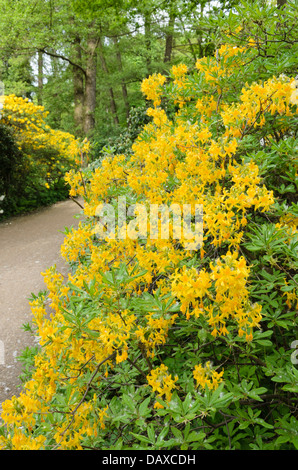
13	171
40	158
169	343
122	143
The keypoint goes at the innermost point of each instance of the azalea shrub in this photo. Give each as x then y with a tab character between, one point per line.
161	342
45	155
12	171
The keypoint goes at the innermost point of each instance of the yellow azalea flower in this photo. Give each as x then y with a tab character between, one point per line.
206	376
161	382
151	87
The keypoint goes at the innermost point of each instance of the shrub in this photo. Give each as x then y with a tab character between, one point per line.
122	143
13	171
42	156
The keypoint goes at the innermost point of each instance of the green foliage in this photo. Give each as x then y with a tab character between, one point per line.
23	184
13	172
33	163
121	144
134	37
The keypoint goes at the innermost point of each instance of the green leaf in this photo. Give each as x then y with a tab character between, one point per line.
178	434
141	438
162	435
196	436
151	433
244	424
264	342
143	408
263	423
128	402
254	393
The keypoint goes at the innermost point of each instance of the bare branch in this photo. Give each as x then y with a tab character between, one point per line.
60	56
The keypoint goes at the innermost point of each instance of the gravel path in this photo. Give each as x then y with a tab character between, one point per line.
28	245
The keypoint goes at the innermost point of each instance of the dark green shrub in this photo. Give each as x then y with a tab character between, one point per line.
14	170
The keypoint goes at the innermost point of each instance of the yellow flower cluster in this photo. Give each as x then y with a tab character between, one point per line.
181	84
81	426
288	222
154	333
225	286
292	299
20	441
294	94
34	136
207	377
76	243
222	65
162	383
273	96
151	87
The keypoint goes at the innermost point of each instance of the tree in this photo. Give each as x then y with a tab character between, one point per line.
113	106
92	56
281	3
56	33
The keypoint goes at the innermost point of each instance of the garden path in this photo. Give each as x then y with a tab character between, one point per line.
28	245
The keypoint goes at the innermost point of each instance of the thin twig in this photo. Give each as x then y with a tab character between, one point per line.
77	202
137	367
84	396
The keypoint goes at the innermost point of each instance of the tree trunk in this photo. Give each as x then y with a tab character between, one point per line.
78	88
40	78
148	43
169	38
123	84
111	92
90	84
185	33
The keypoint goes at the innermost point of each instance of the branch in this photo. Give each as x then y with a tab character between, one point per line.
60	56
137	367
74	200
112	356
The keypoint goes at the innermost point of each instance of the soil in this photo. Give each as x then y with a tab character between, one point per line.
28	245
